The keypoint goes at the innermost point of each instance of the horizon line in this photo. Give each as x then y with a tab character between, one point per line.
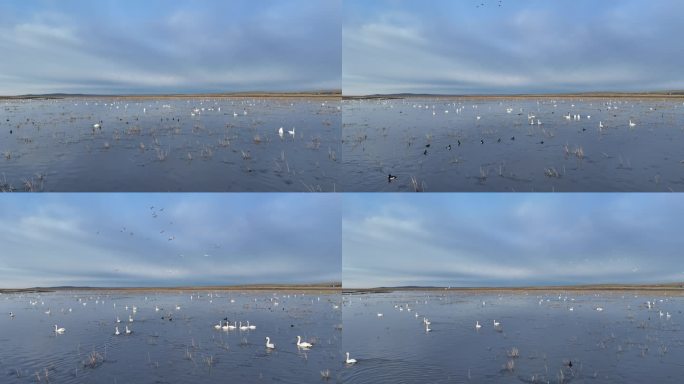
670	93
616	286
265	286
311	92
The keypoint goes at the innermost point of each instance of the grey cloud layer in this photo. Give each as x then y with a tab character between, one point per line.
501	240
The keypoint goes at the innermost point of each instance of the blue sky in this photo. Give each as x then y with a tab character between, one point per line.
129	46
195	239
511	240
522	46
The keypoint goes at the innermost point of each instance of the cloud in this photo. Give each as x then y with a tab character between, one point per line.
482	239
154	239
523	46
134	47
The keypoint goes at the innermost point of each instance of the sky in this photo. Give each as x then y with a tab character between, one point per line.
508	47
180	46
113	240
481	239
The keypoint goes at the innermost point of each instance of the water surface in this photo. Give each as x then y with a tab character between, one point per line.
560	337
169	144
521	144
175	344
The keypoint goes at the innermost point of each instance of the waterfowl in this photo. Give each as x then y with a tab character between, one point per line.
116	331
269	345
350	361
301	344
477	325
128	331
391	177
59	330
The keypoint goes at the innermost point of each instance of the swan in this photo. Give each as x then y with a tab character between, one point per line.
225	327
250	326
350	361
231	327
600	124
292	132
280	131
243	327
217	326
477	325
304	344
631	124
97	125
59	330
128	331
116	331
118	320
130	318
269	345
427	328
496	323
379	314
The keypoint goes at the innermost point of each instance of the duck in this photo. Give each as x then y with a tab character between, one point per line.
391	177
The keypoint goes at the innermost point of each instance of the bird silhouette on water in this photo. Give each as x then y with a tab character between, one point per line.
391	177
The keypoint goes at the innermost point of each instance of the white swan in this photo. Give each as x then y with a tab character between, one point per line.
292	132
477	324
496	323
59	330
118	320
280	131
116	331
427	328
631	124
128	331
231	327
217	326
243	327
350	361
269	345
250	326
97	125
130	318
225	327
600	124
304	344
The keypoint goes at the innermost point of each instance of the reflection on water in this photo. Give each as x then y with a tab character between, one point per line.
541	337
173	337
466	144
170	144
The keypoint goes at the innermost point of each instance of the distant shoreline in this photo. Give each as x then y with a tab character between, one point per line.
674	287
275	95
598	95
323	287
